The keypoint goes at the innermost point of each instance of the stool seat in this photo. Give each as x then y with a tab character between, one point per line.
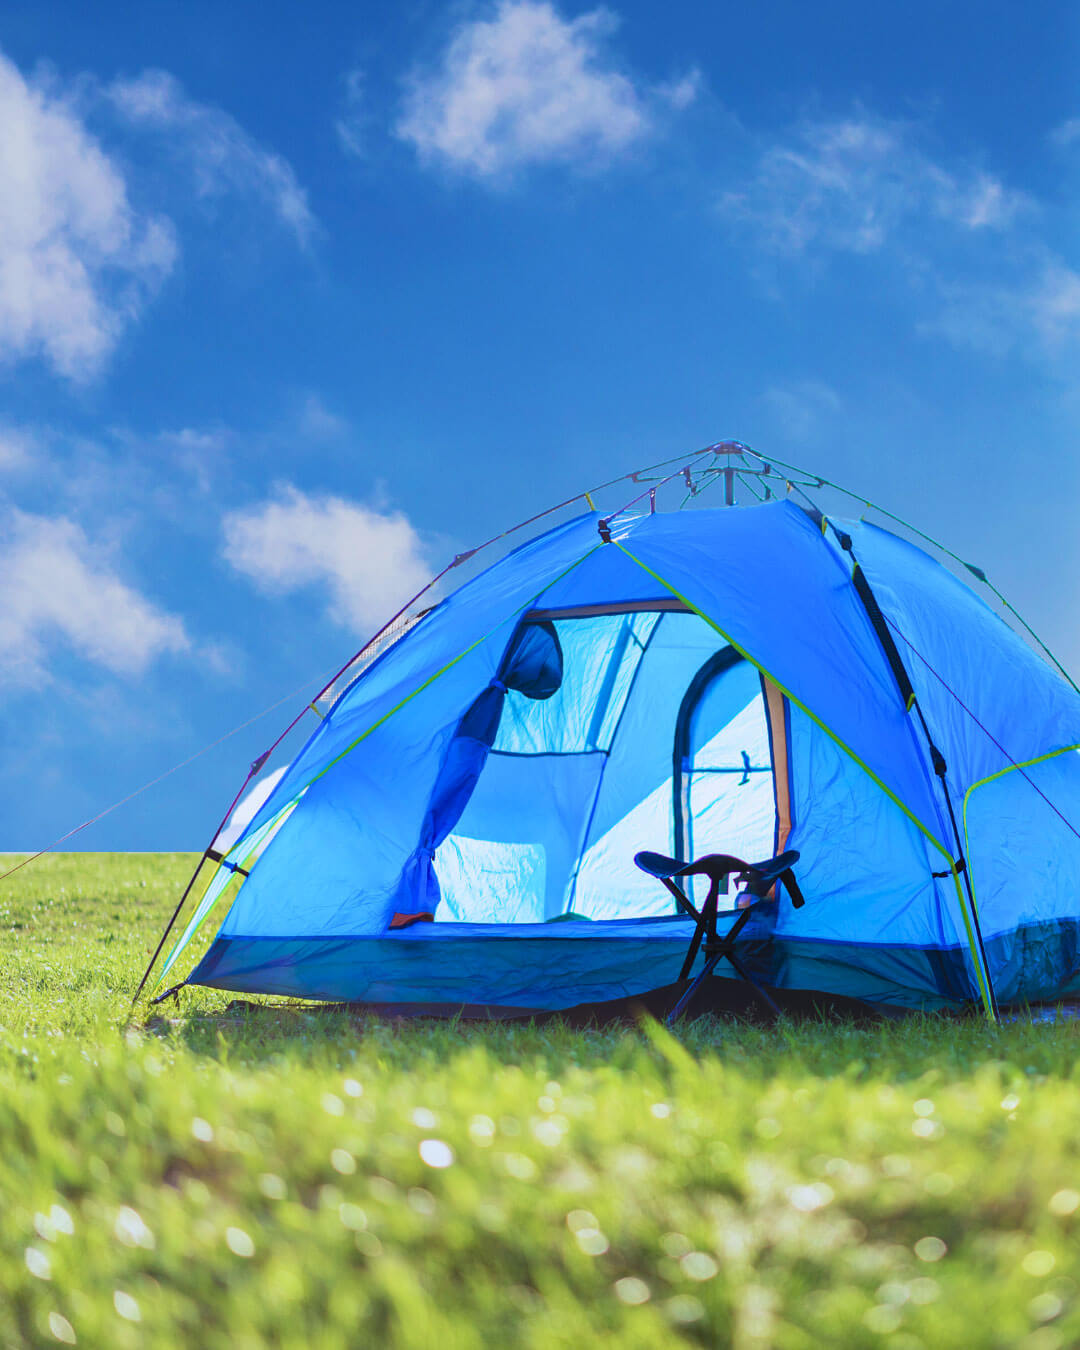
761	881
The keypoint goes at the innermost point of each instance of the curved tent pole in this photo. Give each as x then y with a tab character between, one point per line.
207	852
718	664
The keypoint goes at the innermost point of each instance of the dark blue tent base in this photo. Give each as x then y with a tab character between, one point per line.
549	967
719	997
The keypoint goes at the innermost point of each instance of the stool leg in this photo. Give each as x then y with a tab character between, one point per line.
676	1012
745	975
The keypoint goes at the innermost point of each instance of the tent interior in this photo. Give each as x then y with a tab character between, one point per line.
619	728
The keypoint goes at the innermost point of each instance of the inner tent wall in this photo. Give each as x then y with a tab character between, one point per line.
577	783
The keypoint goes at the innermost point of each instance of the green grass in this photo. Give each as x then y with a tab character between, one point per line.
214	1179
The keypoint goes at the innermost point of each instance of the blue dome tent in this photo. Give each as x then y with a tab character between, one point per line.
462	824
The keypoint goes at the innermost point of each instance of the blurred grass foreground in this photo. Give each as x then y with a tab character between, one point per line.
291	1177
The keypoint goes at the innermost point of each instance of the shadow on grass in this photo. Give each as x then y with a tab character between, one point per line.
253	1032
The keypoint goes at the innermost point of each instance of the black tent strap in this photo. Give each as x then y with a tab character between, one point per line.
217	857
911	703
169	993
884	635
881	628
870	604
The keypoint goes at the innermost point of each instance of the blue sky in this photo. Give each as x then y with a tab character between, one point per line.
294	307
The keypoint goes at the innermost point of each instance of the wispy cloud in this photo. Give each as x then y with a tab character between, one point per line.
130	480
366	562
1039	310
802	407
352	123
968	248
525	87
854	184
18	448
222	157
318	423
59	588
77	262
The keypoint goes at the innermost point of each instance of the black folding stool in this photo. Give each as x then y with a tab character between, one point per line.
757	878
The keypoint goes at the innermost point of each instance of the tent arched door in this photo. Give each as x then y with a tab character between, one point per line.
724	794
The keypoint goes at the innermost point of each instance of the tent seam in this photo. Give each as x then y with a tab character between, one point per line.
936	768
408	698
984	992
923	829
992	777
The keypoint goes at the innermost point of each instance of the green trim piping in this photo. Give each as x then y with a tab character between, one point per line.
976	960
794	699
529	604
246	861
990	778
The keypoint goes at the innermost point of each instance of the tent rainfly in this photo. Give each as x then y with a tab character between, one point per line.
462	825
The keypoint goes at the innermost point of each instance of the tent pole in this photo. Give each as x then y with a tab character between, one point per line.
169	926
252	771
907	694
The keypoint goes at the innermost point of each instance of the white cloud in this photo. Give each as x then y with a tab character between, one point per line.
851	185
223	157
193	441
369	562
525	87
968	246
56	585
76	261
196	452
